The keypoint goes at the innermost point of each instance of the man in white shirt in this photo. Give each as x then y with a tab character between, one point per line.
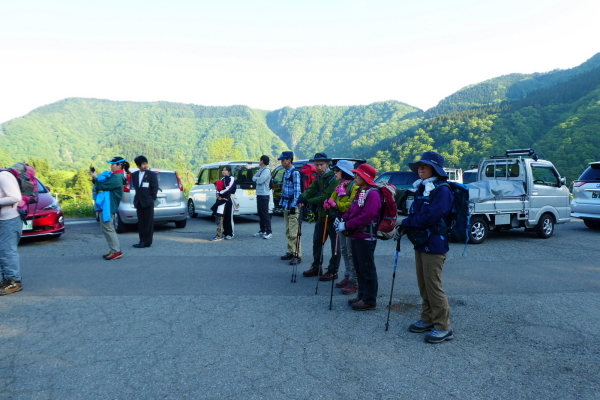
11	227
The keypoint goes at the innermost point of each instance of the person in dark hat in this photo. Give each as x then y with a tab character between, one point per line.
289	202
360	223
114	186
426	228
318	192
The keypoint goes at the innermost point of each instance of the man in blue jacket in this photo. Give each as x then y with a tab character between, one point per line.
426	228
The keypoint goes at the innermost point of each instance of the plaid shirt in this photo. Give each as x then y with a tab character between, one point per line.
291	188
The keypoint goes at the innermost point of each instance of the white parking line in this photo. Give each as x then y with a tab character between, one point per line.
79	221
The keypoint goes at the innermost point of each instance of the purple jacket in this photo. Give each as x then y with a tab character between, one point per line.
357	217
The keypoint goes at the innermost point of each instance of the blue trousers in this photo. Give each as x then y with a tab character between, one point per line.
10	234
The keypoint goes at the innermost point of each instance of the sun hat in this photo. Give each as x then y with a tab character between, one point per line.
366	172
117	160
320	157
286	155
345	166
432	158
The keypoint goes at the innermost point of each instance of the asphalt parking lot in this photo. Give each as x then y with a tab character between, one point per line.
194	319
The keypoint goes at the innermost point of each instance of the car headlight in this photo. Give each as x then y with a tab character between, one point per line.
52	206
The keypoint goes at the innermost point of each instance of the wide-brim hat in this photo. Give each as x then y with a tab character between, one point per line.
117	160
320	157
367	172
345	166
432	158
286	155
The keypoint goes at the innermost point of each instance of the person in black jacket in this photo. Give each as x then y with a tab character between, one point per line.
145	184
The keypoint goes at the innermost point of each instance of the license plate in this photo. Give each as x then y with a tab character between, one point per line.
251	192
595	195
27	225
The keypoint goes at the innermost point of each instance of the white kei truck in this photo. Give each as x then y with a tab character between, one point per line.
517	190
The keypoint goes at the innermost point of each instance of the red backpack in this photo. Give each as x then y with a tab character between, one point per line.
388	213
25	176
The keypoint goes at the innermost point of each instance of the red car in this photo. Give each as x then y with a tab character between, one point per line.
45	218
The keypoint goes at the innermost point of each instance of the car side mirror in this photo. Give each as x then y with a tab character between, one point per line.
563	181
48	187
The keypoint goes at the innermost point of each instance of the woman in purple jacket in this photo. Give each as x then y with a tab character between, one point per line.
360	222
426	228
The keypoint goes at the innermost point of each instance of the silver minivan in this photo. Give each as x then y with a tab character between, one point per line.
169	205
586	196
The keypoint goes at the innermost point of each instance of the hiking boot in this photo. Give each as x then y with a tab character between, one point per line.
268	236
314	271
330	275
258	234
342	284
350	288
216	238
420	327
114	256
295	261
287	256
9	286
354	300
437	336
107	254
362	306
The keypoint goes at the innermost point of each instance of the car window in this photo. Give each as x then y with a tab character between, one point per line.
592	173
41	187
243	174
203	177
214	175
469	177
278	178
545	176
167	180
384	178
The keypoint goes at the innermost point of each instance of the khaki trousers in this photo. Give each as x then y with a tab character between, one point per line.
291	232
108	228
435	309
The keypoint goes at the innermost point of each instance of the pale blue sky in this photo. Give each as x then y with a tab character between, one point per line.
269	54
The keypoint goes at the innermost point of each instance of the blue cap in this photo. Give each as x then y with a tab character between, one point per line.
345	166
432	158
117	160
286	155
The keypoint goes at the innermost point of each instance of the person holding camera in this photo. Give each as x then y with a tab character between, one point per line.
289	203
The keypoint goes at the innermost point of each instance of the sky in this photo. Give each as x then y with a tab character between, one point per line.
268	54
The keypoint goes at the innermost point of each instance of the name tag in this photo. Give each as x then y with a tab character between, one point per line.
145	184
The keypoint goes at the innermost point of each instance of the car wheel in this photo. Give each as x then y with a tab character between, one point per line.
545	226
181	224
120	227
191	210
478	231
592	224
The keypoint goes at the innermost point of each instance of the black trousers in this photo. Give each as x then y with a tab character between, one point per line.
363	258
145	216
334	261
262	205
228	219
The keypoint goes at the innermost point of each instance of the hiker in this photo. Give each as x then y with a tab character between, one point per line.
218	209
289	203
426	228
114	186
262	178
226	194
360	223
11	226
340	202
319	191
145	184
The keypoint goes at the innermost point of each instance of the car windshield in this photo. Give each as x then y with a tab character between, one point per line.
167	180
243	174
592	173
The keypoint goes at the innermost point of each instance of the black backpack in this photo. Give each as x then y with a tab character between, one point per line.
459	220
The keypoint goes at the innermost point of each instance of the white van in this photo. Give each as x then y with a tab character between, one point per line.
202	195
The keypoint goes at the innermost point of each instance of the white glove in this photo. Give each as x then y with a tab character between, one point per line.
336	222
340	227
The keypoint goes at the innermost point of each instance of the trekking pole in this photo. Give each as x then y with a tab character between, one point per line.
337	238
322	249
387	323
298	237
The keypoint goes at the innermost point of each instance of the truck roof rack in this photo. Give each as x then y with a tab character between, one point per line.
518	153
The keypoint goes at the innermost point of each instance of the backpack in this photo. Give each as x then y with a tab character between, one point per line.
271	184
459	220
389	213
25	176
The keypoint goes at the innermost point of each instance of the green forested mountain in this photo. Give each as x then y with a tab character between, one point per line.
557	113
